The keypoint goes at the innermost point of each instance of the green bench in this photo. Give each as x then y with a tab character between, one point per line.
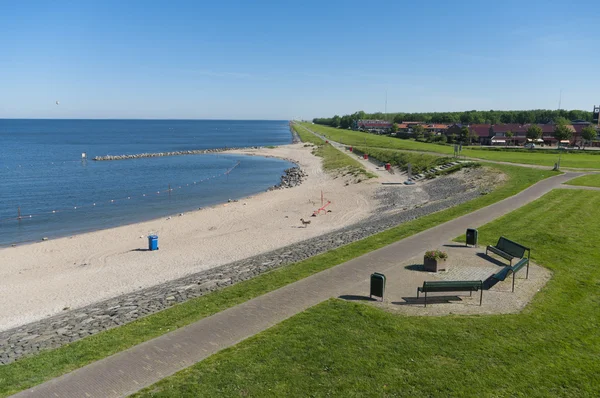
503	273
508	249
451	286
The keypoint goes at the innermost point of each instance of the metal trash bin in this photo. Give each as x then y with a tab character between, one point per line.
152	242
377	285
472	236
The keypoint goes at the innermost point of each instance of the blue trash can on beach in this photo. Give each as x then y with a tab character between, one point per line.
152	242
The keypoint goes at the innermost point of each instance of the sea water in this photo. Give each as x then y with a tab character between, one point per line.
48	190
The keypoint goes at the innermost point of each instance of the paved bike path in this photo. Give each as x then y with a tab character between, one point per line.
145	364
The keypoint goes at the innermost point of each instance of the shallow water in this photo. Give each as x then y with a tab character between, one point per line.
42	174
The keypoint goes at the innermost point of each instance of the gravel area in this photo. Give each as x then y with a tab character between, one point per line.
464	263
73	325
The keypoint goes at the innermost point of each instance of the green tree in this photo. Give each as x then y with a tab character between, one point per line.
346	122
464	134
418	132
562	132
473	136
509	136
335	121
534	132
588	134
429	136
394	128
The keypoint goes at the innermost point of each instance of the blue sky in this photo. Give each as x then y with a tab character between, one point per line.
272	60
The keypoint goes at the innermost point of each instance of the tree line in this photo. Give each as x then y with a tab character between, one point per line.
542	116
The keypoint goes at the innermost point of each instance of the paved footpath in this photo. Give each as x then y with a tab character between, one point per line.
383	175
579	187
145	364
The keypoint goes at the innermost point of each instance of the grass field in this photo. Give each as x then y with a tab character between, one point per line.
591	180
34	370
551	349
538	157
357	138
333	160
419	161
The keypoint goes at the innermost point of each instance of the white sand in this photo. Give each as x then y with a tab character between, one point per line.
40	279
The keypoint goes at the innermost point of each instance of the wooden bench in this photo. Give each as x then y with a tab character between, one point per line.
508	249
503	273
451	286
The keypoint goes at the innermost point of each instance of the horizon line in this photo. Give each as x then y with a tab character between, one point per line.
79	118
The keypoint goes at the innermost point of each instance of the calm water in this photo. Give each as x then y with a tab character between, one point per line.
41	171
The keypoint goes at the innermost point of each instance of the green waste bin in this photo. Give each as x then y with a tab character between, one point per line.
377	285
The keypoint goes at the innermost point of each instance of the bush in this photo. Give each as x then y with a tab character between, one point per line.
436	255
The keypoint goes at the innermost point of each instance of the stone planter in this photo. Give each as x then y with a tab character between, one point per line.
434	265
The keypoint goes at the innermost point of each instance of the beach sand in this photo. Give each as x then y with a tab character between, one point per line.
41	279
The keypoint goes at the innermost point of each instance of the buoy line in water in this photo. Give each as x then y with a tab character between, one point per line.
29	216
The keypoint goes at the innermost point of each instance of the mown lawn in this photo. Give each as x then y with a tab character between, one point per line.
538	157
591	180
34	370
551	349
358	138
575	159
333	159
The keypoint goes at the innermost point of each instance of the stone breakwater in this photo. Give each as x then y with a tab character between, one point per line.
176	153
292	177
74	325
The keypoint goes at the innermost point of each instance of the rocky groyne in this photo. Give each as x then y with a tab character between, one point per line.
175	153
292	177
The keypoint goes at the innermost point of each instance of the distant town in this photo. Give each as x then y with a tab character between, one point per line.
558	131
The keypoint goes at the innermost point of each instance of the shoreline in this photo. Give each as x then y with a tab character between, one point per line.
73	324
41	279
52	238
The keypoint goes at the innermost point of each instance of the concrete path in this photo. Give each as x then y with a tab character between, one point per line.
145	364
384	176
579	187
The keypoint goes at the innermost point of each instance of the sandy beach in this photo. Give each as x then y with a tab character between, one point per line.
42	279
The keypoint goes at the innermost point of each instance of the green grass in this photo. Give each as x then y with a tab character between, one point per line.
333	159
358	138
551	349
568	159
591	180
30	371
420	162
574	159
306	136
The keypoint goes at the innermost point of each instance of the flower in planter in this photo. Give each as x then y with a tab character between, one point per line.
436	255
